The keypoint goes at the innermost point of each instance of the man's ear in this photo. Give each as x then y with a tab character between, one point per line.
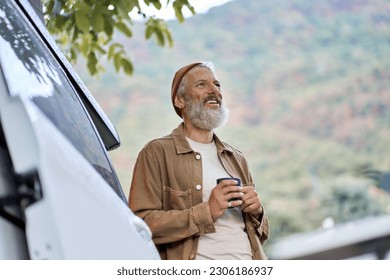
179	102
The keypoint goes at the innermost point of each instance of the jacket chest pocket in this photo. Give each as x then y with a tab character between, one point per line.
176	199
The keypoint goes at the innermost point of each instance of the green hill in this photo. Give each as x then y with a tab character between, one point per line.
308	87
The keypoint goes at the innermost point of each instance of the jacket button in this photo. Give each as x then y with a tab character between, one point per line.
198	187
198	156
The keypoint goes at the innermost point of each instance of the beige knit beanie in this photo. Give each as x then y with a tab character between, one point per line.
176	82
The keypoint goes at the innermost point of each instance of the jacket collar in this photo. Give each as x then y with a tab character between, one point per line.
182	145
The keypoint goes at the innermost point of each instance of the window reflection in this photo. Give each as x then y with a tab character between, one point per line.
31	71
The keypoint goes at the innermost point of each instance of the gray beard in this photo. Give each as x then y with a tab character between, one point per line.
207	119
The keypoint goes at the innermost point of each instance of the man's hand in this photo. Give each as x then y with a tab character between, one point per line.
251	202
220	196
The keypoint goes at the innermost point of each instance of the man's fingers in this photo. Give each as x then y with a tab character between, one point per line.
250	204
234	203
249	192
232	189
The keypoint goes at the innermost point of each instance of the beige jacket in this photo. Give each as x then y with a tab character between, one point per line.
166	191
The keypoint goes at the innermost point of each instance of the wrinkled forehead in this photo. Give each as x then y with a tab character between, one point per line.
201	73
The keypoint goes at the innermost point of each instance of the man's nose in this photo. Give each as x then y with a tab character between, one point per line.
214	88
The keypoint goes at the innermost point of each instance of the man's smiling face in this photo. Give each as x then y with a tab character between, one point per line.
203	99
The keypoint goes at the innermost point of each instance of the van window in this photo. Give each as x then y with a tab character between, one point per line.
32	71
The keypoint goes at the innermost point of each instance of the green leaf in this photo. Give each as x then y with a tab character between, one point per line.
75	33
92	62
125	7
99	48
84	47
191	8
111	51
178	7
127	66
82	21
168	35
160	36
61	21
148	31
73	54
108	25
178	13
123	28
101	9
156	4
97	22
80	5
117	61
49	6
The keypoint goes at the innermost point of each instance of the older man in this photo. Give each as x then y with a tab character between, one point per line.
174	186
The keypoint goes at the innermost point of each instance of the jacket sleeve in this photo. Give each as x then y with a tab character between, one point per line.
260	223
146	201
262	226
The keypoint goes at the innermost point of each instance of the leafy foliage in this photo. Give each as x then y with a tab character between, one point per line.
87	27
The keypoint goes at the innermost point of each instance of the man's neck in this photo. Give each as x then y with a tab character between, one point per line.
197	134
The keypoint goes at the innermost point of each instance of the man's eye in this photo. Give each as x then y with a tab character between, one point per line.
201	84
218	85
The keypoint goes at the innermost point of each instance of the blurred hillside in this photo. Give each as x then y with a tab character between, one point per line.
308	87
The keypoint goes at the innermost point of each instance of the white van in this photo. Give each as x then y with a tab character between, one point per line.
60	197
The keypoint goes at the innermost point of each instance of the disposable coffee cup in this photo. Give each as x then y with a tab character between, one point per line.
238	180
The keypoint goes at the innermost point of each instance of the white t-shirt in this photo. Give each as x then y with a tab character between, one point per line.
230	241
